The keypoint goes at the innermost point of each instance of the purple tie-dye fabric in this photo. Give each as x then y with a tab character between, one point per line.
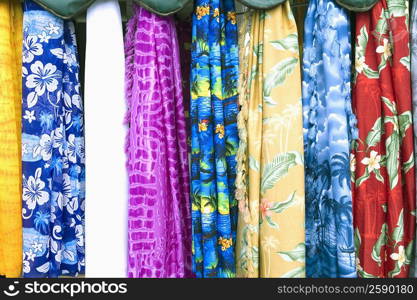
157	158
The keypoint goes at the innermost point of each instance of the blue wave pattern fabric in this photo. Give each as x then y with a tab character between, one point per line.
214	137
329	127
52	148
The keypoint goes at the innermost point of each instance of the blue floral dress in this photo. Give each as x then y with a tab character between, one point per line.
52	147
329	128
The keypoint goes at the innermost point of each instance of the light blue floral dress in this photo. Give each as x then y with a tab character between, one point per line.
329	127
52	148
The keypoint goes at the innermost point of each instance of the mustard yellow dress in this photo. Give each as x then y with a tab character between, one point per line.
270	176
10	128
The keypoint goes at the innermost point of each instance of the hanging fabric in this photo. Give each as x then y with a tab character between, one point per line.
104	136
271	237
52	148
413	48
329	128
156	148
214	137
10	165
384	179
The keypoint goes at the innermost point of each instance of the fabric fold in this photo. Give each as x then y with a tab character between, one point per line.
156	147
105	108
413	48
329	129
10	142
52	148
384	178
270	179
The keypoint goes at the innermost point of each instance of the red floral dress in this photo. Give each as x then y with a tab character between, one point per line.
382	161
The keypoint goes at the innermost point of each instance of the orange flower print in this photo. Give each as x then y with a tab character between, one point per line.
231	16
202	11
220	131
265	206
202	126
225	243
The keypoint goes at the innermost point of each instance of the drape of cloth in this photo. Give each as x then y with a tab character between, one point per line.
10	163
214	137
329	129
52	148
156	148
413	48
384	178
271	235
105	137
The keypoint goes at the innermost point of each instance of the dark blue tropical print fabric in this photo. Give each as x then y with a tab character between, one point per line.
214	137
52	148
329	128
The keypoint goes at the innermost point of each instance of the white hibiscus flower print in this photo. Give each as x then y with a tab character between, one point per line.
42	78
31	48
79	234
33	190
44	37
385	49
59	140
45	147
400	256
71	150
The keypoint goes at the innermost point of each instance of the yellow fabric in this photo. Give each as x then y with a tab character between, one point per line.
10	127
270	182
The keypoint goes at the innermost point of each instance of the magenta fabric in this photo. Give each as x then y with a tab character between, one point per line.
157	158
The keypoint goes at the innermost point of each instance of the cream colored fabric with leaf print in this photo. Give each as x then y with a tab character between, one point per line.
271	239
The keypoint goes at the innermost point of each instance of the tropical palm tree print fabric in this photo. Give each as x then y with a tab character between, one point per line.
329	128
52	148
383	162
214	137
270	185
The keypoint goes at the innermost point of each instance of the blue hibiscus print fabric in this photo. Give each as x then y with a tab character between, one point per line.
53	160
329	129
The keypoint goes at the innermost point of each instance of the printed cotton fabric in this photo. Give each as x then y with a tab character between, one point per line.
10	163
413	48
329	128
156	148
52	148
214	137
384	177
271	236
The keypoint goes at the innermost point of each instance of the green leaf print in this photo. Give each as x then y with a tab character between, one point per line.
374	136
363	178
398	233
405	120
295	273
363	274
396	271
277	169
393	147
397	8
271	222
253	163
409	164
296	254
290	43
382	240
362	41
382	25
278	74
378	175
391	105
358	240
371	74
409	253
279	207
405	61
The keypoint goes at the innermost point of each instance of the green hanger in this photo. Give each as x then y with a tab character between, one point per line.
65	9
357	5
261	4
